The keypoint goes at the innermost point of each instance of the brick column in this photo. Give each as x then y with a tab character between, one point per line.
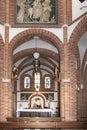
6	80
65	11
1	75
7	11
68	93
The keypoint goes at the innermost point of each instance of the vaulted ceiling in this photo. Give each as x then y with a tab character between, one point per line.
24	59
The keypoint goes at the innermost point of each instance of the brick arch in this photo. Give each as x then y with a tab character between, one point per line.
79	30
29	34
83	66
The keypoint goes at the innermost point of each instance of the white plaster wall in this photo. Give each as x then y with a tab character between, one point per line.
2	32
58	31
24	105
71	28
76	11
15	31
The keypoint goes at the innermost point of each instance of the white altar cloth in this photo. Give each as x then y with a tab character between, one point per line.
50	111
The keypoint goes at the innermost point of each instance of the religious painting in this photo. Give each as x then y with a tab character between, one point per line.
25	96
36	11
37	102
49	96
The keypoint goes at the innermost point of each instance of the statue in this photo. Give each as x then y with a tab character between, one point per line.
14	73
56	74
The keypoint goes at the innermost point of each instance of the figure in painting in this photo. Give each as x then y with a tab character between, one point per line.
14	73
20	14
37	103
46	11
37	9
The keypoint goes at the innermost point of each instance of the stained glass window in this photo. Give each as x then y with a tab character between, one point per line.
47	82
26	82
37	80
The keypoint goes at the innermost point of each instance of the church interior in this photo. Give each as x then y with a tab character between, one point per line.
43	64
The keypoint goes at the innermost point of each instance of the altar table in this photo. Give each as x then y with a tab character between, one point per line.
46	110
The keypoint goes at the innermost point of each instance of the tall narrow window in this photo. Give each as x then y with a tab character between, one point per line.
27	82
47	82
37	80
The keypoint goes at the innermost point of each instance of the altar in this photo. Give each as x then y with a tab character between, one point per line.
35	112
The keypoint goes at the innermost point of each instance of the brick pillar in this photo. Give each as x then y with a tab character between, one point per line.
68	93
7	11
1	75
65	11
6	88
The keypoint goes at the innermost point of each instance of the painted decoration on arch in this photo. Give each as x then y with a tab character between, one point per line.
36	11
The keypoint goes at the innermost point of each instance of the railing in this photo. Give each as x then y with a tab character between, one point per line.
40	123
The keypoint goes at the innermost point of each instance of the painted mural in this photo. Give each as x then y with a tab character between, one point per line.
36	11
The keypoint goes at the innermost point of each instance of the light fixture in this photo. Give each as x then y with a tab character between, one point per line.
36	55
37	88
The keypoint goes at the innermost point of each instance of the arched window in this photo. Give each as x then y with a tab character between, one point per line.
47	82
26	82
37	80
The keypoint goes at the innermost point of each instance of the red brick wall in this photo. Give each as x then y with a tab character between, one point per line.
71	100
2	11
1	76
5	87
